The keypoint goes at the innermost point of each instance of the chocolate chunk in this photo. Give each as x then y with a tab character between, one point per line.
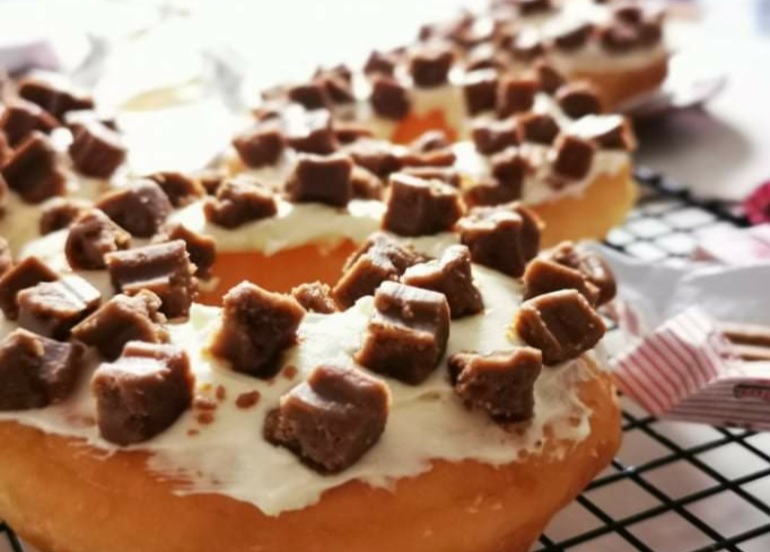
499	383
618	38
60	212
340	71
311	95
377	156
211	179
429	65
540	128
313	134
527	46
260	145
122	319
202	248
418	207
96	150
338	90
490	192
389	99
562	324
347	132
504	238
494	136
240	200
21	118
516	94
436	158
578	99
573	157
550	79
534	7
650	33
257	326
606	131
33	170
6	258
408	333
91	236
180	189
25	274
545	276
331	420
318	179
140	209
447	175
51	309
592	266
628	12
475	31
36	372
510	168
163	268
380	259
450	275
483	57
380	63
315	297
74	120
54	95
571	36
429	141
142	393
366	185
480	91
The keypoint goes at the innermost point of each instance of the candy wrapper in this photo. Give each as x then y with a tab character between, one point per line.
680	363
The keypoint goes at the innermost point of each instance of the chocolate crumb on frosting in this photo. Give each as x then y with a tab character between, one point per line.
480	91
180	189
591	265
33	170
310	95
381	258
52	309
545	276
562	324
539	128
418	207
447	175
578	99
96	151
430	64
493	136
550	79
91	236
572	157
164	268
240	200
257	326
338	89
377	156
122	319
498	383
380	63
571	35
407	334
25	274
142	393
527	46
140	209
54	95
331	420
315	297
261	145
516	94
389	98
201	247
450	275
36	372
313	134
509	169
321	179
21	118
504	238
611	132
59	212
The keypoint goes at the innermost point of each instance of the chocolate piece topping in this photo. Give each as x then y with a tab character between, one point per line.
260	145
493	136
451	275
504	238
238	201
407	334
516	94
592	266
436	158
6	258
96	150
331	420
534	7
417	207
21	118
164	268
122	319
91	236
606	131
51	309
33	170
377	156
380	259
562	324
628	12
142	393
447	175
578	99
315	297
140	209
573	157
429	65
572	36
55	96
314	134
180	189
257	326
484	56
539	128
311	95
318	179
338	90
527	46
550	79
499	383
380	63
619	38
26	274
509	168
545	276
60	212
202	248
490	192
365	184
389	99
36	372
480	90
348	132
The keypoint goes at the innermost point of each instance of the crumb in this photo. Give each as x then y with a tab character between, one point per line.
204	403
205	418
247	400
290	372
221	393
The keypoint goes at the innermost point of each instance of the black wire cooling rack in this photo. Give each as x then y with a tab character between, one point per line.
674	487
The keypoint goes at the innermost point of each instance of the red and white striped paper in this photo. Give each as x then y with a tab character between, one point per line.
686	370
